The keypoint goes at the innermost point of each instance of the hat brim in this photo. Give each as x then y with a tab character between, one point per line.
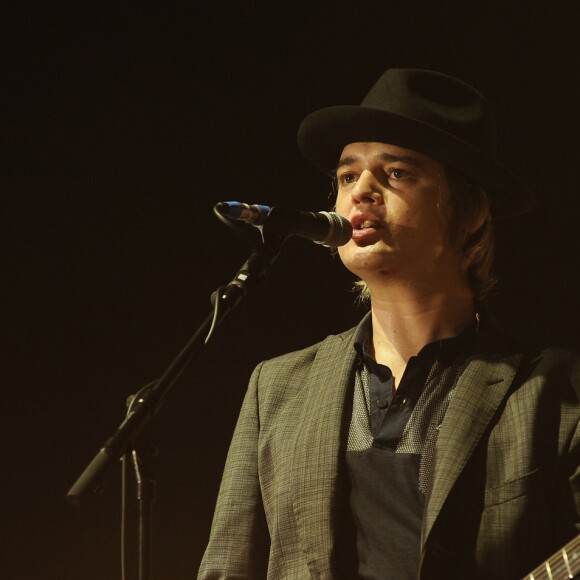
324	133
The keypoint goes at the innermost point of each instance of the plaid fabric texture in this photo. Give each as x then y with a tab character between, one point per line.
505	484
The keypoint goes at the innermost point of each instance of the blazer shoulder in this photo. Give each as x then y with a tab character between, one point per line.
332	343
296	372
560	362
558	359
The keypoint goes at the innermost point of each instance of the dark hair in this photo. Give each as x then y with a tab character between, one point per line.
471	231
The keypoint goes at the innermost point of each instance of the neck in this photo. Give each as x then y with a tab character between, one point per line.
405	321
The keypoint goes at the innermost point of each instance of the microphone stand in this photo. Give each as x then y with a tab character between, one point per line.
144	457
148	401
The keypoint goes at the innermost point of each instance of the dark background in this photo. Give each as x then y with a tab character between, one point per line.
124	123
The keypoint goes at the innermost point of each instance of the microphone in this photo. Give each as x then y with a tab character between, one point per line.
326	228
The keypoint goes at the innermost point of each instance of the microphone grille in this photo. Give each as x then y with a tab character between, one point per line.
340	230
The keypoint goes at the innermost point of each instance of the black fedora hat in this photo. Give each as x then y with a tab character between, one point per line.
431	113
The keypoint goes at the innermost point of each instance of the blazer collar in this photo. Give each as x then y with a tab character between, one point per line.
479	392
320	442
319	447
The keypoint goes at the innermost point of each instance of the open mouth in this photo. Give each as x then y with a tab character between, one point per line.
365	222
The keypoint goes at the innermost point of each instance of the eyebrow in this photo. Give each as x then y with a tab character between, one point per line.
350	159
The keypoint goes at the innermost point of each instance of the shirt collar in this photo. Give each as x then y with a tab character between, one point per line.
442	349
363	336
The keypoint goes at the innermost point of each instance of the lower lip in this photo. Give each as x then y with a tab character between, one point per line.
363	234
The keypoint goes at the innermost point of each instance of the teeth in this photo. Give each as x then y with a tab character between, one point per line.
366	224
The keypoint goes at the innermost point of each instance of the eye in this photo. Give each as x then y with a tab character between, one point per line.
397	173
346	178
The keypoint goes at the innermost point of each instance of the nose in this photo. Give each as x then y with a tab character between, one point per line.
367	190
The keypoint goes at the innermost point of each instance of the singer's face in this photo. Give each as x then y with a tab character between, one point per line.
397	201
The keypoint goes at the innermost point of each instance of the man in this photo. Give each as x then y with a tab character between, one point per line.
423	443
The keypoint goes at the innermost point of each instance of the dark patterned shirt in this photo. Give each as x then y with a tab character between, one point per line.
390	448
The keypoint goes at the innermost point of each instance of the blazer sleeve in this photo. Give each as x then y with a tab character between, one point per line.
575	481
238	545
568	506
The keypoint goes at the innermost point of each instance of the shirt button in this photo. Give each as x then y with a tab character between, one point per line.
381	403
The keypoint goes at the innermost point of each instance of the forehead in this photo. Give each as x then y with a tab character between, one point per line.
385	152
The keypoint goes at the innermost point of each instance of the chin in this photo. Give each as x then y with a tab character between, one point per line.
361	260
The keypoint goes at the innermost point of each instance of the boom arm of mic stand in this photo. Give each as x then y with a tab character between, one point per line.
252	272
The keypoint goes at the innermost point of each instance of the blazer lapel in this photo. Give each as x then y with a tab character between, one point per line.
317	450
480	390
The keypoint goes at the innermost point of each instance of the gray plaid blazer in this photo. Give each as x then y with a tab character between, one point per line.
505	489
